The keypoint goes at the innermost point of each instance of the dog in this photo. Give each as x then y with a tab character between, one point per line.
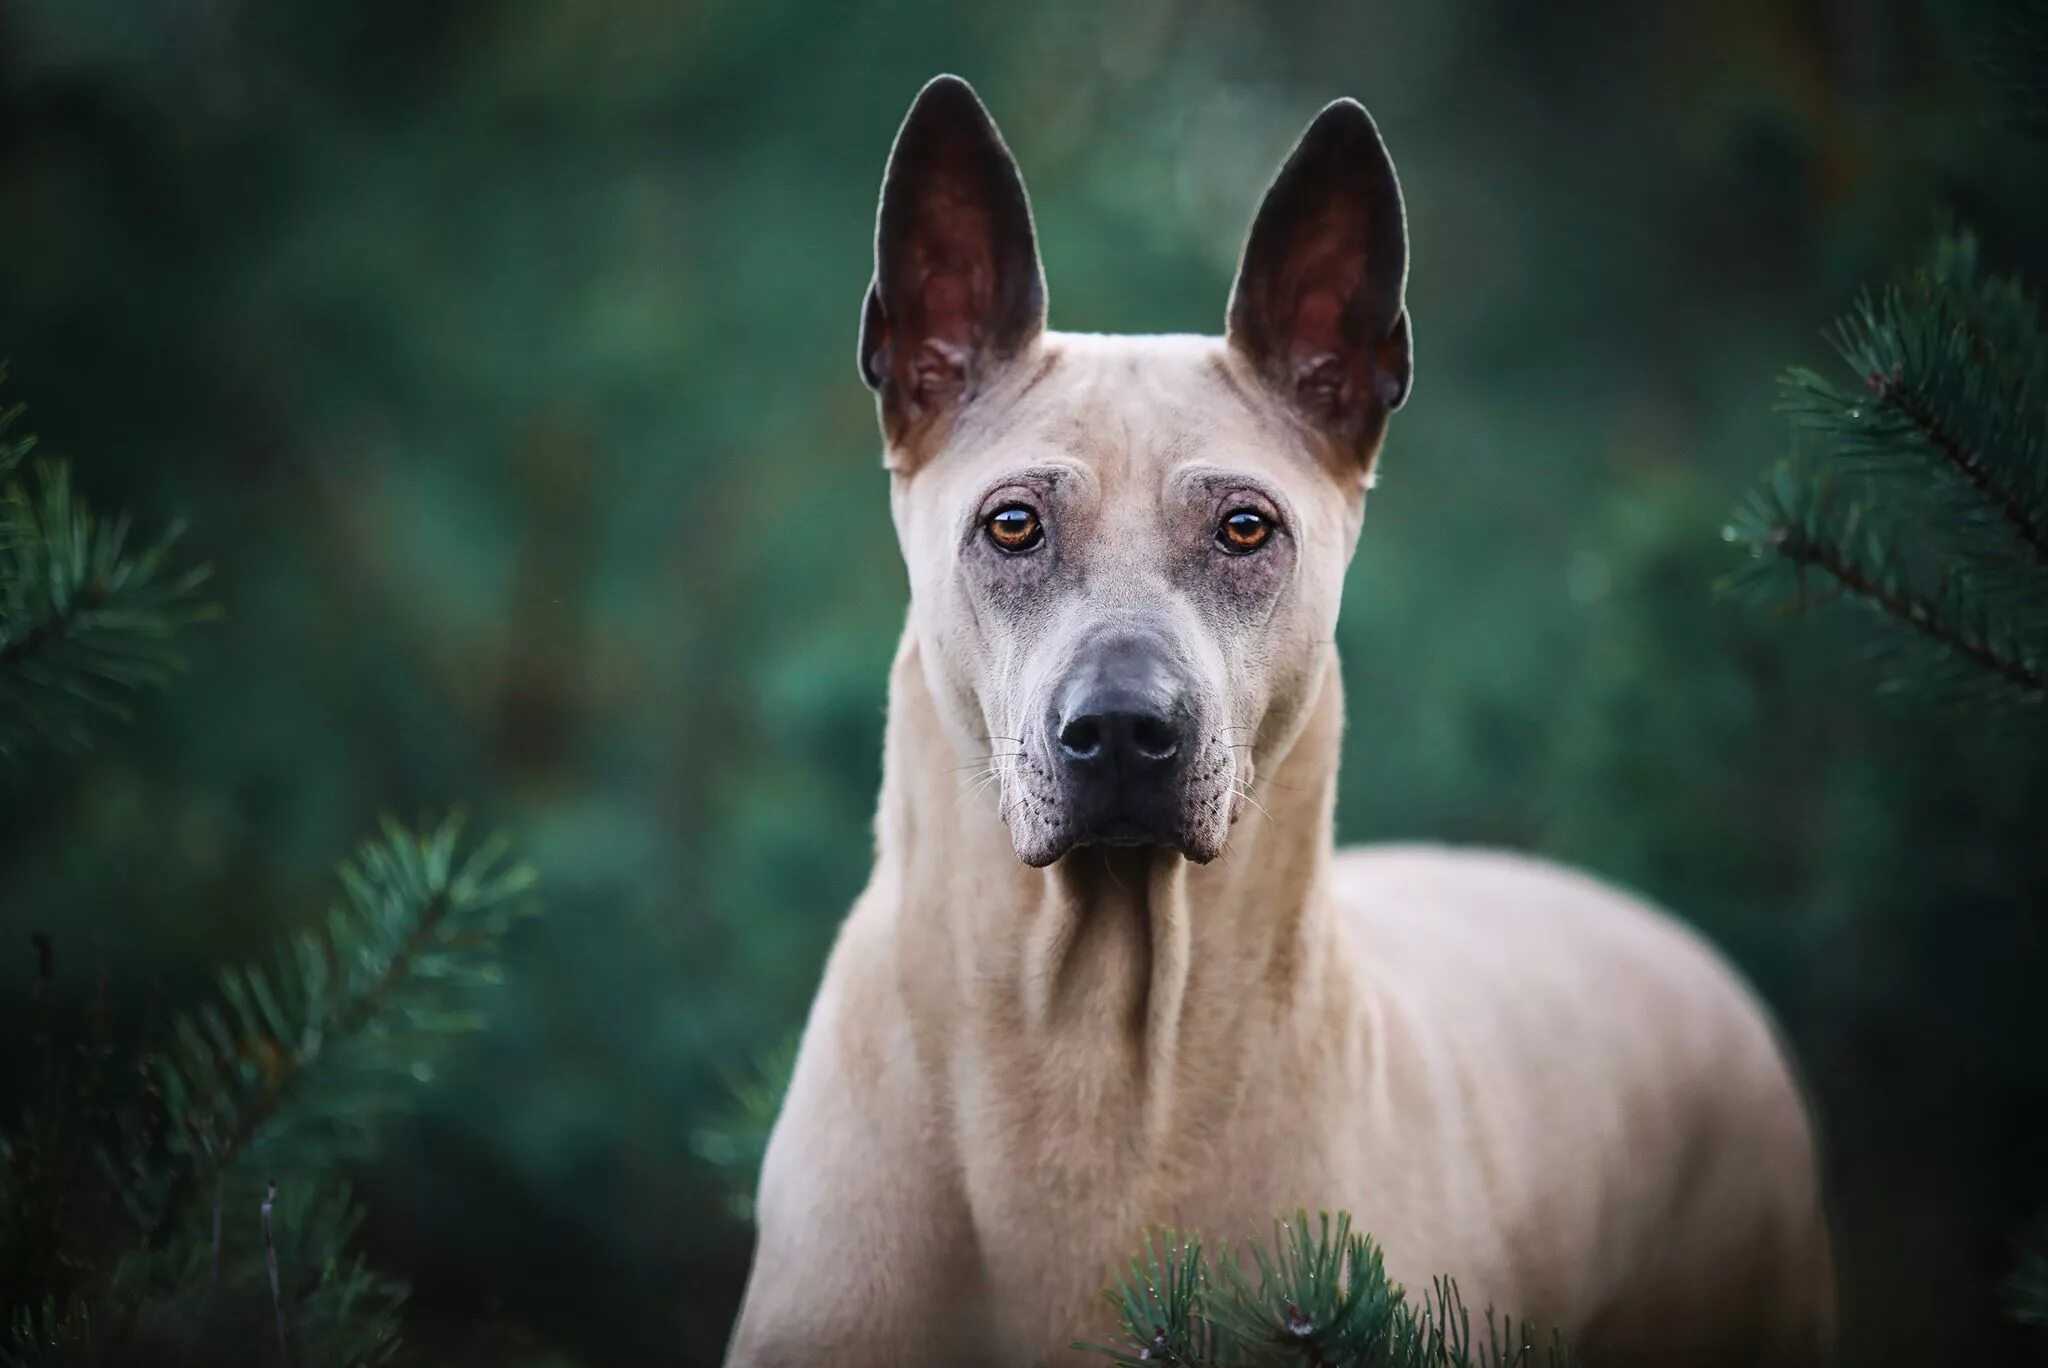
1120	979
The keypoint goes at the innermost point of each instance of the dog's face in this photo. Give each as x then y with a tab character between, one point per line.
1126	554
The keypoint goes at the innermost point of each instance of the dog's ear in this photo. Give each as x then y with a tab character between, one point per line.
957	287
1318	306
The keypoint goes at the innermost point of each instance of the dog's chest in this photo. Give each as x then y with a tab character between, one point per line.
1071	1158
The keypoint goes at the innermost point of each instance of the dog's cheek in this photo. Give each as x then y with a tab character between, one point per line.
1209	807
1037	825
1038	837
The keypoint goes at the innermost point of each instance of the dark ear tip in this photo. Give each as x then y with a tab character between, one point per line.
947	95
1343	120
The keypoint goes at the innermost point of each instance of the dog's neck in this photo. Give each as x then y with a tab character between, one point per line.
1160	965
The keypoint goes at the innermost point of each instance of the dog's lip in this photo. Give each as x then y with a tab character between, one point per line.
1122	833
1131	840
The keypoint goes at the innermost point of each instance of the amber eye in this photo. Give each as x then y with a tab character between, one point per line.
1015	528
1243	531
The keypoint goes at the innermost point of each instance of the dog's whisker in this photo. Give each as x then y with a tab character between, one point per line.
983	760
982	785
1247	795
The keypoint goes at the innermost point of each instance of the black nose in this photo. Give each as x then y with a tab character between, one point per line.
1131	739
1124	732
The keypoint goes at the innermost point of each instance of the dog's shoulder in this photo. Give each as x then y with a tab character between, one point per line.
1487	895
1549	949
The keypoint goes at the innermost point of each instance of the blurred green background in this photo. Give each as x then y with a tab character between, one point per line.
501	356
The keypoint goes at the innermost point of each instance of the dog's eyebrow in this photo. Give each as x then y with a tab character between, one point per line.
1047	474
1211	476
1212	479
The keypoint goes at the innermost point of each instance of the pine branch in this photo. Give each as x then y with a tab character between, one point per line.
218	1218
1923	615
1951	368
12	451
735	1140
1161	1303
1321	1298
1968	463
84	621
291	1073
1922	493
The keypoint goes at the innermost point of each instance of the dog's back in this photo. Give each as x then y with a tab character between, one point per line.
1619	1094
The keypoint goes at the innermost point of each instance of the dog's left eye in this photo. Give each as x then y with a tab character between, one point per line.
1244	531
1015	528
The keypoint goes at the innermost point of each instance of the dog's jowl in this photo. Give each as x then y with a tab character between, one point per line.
1119	978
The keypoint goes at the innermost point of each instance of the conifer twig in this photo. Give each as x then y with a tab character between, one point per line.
1893	389
1914	611
86	619
1321	1298
412	943
291	1067
1922	492
53	628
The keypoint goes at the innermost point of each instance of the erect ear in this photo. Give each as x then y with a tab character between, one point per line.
957	287
1318	306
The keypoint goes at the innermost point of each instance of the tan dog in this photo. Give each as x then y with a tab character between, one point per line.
1126	982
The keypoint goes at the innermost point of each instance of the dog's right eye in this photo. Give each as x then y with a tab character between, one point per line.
1014	529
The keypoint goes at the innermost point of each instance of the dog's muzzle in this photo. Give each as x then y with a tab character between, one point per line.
1122	734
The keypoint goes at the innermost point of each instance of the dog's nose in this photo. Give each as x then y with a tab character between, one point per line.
1123	733
1133	739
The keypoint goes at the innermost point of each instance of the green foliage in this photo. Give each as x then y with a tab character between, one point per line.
85	619
188	1301
13	450
1319	1296
199	1207
734	1139
1920	492
311	1056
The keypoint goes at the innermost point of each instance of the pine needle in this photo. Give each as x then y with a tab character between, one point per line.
1918	491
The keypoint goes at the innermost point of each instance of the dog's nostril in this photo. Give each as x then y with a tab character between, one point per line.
1154	738
1127	737
1082	738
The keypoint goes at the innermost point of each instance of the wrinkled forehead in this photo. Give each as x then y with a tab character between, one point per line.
1132	414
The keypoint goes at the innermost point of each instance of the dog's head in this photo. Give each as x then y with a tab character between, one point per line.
1126	553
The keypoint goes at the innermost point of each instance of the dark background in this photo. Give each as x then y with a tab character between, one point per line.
501	357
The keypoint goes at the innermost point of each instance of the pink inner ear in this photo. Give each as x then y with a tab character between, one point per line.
951	302
1319	311
1317	290
1318	323
955	289
951	258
